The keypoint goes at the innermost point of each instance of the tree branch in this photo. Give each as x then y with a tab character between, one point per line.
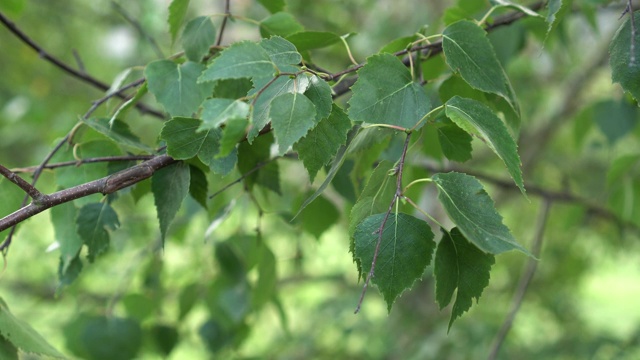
227	13
83	161
14	178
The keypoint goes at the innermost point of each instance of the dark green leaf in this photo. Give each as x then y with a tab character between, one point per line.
281	51
197	36
188	297
63	218
175	86
460	265
177	12
309	40
254	155
244	59
405	251
455	143
216	112
117	131
233	133
232	88
273	5
266	285
319	216
615	118
166	337
386	94
625	65
170	185
7	350
68	271
469	52
111	338
292	116
477	119
198	185
319	92
398	44
94	220
473	211
281	24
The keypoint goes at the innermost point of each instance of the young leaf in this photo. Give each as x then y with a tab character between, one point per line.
198	185
469	52
177	12
197	36
405	251
216	112
292	116
455	143
244	59
92	224
123	336
117	131
309	40
554	7
232	134
472	210
281	51
320	145
63	218
22	336
280	24
476	118
273	5
460	265
386	94
511	4
175	86
625	66
170	185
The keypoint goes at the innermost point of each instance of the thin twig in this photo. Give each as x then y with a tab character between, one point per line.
258	166
120	10
525	280
79	61
83	161
33	193
380	230
227	14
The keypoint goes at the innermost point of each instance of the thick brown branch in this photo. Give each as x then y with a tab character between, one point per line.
14	178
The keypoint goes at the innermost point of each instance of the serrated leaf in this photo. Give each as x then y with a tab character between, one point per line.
319	92
170	185
198	185
216	112
177	12
460	265
553	6
244	59
117	131
281	51
63	218
198	35
455	143
175	86
233	133
615	119
469	52
93	222
273	5
405	251
511	4
386	94
292	116
625	66
22	336
319	216
321	144
280	24
476	118
472	210
309	40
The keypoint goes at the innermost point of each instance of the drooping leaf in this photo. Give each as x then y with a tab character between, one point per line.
469	52
175	86
63	218
177	12
320	145
266	285
405	251
292	116
93	222
117	131
22	336
281	51
460	265
318	217
477	119
198	185
273	5
252	156
68	271
615	118
244	59
280	24
170	185
319	92
309	40
198	35
233	133
111	338
386	94
625	65
455	143
511	4
216	112
472	210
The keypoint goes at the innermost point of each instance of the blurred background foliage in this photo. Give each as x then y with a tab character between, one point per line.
204	291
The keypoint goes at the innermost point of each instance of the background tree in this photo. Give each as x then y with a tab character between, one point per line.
245	173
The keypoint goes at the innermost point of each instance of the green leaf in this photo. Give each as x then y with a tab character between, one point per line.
386	94
321	144
68	271
554	7
232	88
175	86
198	185
256	154
22	336
266	285
469	52
273	5
111	338
621	167
187	299
198	35
93	222
165	337
319	216
398	44
7	350
615	118
63	218
177	12
511	4
233	133
477	119
472	210
281	51
309	40
319	92
281	24
170	185
244	59
460	265
216	112
292	116
117	131
625	65
455	143
405	251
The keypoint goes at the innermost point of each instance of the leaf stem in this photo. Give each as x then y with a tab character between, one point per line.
389	126
433	111
426	214
416	182
486	16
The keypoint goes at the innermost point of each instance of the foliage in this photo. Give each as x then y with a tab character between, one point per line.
396	144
